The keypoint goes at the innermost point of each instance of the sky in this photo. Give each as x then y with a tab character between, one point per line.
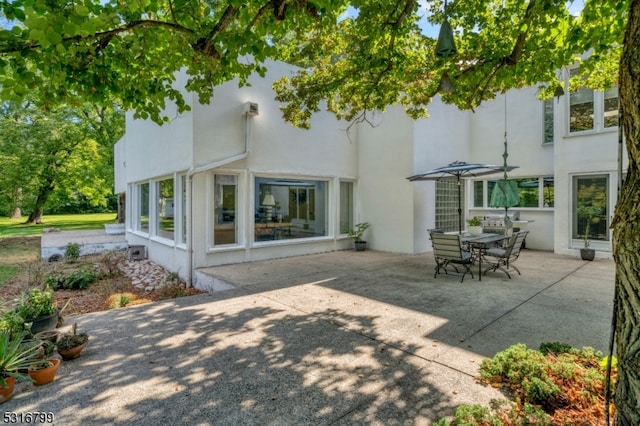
430	30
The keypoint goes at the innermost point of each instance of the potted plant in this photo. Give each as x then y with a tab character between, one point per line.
14	358
475	226
70	345
37	307
591	215
43	371
357	234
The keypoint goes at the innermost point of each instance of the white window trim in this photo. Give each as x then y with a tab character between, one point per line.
241	216
598	114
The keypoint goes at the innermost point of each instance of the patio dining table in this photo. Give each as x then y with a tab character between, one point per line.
481	243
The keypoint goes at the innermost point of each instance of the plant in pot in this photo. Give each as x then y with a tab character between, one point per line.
591	214
14	358
43	371
475	226
357	233
37	307
71	344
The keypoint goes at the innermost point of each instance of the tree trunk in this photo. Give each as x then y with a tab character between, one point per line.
15	213
626	233
35	217
122	208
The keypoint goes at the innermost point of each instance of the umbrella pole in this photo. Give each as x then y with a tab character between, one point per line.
459	208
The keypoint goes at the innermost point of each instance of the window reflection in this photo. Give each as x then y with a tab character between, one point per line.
290	209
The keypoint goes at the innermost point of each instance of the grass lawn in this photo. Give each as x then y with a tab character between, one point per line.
17	228
17	248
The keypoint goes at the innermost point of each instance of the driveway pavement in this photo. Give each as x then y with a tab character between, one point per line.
337	338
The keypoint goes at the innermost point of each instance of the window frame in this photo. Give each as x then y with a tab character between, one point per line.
486	197
351	220
288	182
159	231
139	193
575	235
598	104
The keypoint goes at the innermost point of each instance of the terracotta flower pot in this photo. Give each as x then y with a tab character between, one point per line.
45	375
72	353
6	392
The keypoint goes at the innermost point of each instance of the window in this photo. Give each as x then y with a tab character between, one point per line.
289	209
590	201
611	107
143	208
225	208
548	121
166	208
532	192
183	204
447	201
581	110
590	110
346	207
478	193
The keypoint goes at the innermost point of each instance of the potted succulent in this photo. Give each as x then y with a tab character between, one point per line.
43	371
475	226
591	215
357	234
37	307
70	345
14	358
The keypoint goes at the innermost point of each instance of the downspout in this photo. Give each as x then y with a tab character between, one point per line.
250	109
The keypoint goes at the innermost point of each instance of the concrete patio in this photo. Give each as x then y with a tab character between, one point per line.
336	338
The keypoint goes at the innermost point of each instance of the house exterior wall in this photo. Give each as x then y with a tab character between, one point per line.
385	159
439	140
586	154
277	150
526	149
219	138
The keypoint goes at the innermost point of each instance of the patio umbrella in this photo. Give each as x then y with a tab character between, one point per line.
457	171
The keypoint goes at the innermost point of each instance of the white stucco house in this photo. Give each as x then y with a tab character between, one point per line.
232	182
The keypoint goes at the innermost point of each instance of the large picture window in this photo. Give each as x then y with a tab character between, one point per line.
166	209
225	207
590	213
289	209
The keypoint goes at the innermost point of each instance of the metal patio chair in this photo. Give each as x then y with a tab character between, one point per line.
502	258
450	255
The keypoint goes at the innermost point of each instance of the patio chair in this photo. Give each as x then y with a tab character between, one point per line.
450	255
502	258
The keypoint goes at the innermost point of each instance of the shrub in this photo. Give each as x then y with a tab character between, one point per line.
110	260
565	386
172	291
468	415
72	252
120	300
76	280
36	303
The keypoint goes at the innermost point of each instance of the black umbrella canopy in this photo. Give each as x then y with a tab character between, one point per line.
458	170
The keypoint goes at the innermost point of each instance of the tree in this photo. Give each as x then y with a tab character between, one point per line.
50	157
357	59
